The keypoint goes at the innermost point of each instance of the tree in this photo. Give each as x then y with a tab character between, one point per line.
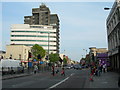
38	52
54	57
64	61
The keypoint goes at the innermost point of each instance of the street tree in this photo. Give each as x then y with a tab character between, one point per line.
38	52
54	57
64	61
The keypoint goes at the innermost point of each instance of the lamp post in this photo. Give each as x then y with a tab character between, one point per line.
48	45
48	42
28	60
86	51
106	8
82	56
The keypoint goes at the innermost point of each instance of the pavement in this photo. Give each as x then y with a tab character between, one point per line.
106	80
5	77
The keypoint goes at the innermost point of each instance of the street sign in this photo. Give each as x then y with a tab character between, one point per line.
34	60
41	62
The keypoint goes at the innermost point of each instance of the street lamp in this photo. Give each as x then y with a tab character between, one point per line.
48	45
82	56
107	8
86	51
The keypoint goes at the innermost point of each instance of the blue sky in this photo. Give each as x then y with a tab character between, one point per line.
82	24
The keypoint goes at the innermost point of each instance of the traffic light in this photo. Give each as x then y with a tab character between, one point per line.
46	58
30	55
39	56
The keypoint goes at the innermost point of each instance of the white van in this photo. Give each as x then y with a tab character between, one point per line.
10	66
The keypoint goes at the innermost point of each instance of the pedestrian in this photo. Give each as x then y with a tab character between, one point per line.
57	70
63	72
92	73
91	77
99	70
35	69
96	71
53	70
104	66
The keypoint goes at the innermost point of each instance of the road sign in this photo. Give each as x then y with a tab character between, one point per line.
34	60
41	62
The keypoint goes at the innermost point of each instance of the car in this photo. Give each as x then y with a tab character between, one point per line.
67	67
77	67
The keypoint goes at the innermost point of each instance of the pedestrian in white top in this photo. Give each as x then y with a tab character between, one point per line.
35	69
104	67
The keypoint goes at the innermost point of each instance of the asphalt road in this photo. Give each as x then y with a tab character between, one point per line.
72	79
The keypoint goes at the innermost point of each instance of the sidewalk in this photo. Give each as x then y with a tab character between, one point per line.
5	77
106	80
31	72
15	76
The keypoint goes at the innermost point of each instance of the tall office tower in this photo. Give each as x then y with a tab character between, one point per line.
40	16
54	21
43	35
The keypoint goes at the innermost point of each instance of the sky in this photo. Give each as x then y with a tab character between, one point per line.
82	24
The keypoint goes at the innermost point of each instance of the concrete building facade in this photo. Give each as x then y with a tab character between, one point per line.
94	51
17	52
43	35
40	16
113	34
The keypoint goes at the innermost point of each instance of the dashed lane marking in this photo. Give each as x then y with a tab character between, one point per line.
72	74
58	83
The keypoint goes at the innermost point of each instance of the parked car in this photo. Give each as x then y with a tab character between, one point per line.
77	67
68	67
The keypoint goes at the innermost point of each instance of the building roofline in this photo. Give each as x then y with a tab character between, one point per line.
114	7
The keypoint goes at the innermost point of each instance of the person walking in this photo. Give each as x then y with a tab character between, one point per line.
57	70
53	70
104	66
92	74
99	70
35	69
63	72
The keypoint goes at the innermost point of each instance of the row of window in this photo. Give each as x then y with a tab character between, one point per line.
31	36
35	31
38	44
36	40
113	21
40	27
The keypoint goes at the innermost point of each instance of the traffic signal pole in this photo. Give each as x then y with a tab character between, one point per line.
29	56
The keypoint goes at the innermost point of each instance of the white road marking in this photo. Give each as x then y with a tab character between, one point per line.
72	74
58	83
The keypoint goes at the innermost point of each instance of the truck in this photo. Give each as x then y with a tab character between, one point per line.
10	66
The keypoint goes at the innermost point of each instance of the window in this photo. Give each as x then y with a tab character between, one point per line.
36	27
